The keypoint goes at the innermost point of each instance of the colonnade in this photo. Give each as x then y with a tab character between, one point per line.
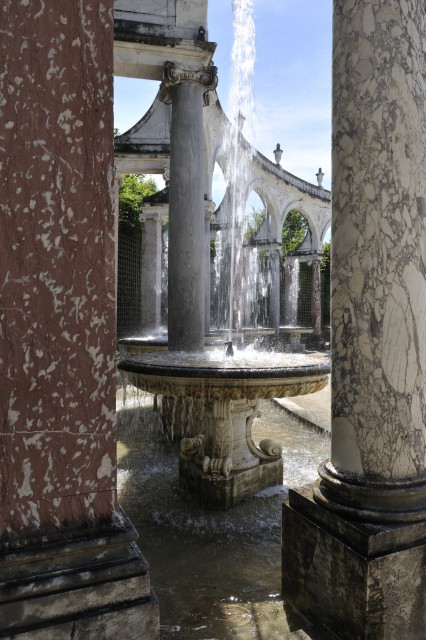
152	265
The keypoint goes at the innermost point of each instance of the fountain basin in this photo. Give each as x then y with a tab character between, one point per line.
219	460
247	376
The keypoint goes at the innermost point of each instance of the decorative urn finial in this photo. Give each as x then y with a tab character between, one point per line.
278	152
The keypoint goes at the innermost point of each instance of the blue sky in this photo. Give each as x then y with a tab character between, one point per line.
291	81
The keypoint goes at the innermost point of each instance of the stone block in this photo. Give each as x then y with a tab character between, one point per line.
364	582
80	585
137	621
226	492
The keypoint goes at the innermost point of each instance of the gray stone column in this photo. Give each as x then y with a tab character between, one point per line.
184	88
151	271
368	517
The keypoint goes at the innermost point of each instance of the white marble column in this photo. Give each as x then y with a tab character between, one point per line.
151	271
185	89
379	263
361	530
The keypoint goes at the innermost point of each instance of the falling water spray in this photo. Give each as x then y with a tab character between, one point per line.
242	110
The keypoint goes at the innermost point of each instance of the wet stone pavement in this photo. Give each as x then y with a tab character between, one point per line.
217	574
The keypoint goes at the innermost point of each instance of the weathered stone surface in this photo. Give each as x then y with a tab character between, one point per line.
45	584
167	18
139	620
362	581
226	492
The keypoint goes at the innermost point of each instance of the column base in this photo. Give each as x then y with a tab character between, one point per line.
224	492
362	581
92	586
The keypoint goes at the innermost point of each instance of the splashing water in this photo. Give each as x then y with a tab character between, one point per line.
242	111
292	298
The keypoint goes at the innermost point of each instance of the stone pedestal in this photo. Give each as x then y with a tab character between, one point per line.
224	492
83	584
222	462
223	465
364	581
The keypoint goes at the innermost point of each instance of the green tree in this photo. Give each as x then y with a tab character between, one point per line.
295	228
326	255
134	188
254	222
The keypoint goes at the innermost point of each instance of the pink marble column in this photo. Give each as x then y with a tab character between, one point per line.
57	265
57	281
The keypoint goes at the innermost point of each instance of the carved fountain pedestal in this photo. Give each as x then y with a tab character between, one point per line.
220	461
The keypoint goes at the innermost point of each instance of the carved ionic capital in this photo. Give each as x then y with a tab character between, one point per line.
174	75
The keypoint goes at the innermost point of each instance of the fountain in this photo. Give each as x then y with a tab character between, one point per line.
219	459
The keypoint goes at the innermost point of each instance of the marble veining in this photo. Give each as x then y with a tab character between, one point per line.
379	269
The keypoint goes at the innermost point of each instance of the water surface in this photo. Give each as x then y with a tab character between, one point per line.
217	574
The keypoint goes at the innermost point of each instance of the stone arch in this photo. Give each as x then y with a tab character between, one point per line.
313	242
258	186
325	229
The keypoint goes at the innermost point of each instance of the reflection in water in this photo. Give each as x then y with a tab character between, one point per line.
217	574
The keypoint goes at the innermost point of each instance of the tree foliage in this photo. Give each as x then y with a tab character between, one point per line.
326	256
134	188
295	228
254	221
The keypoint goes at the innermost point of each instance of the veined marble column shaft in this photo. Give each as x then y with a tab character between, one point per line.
316	296
377	468
184	88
